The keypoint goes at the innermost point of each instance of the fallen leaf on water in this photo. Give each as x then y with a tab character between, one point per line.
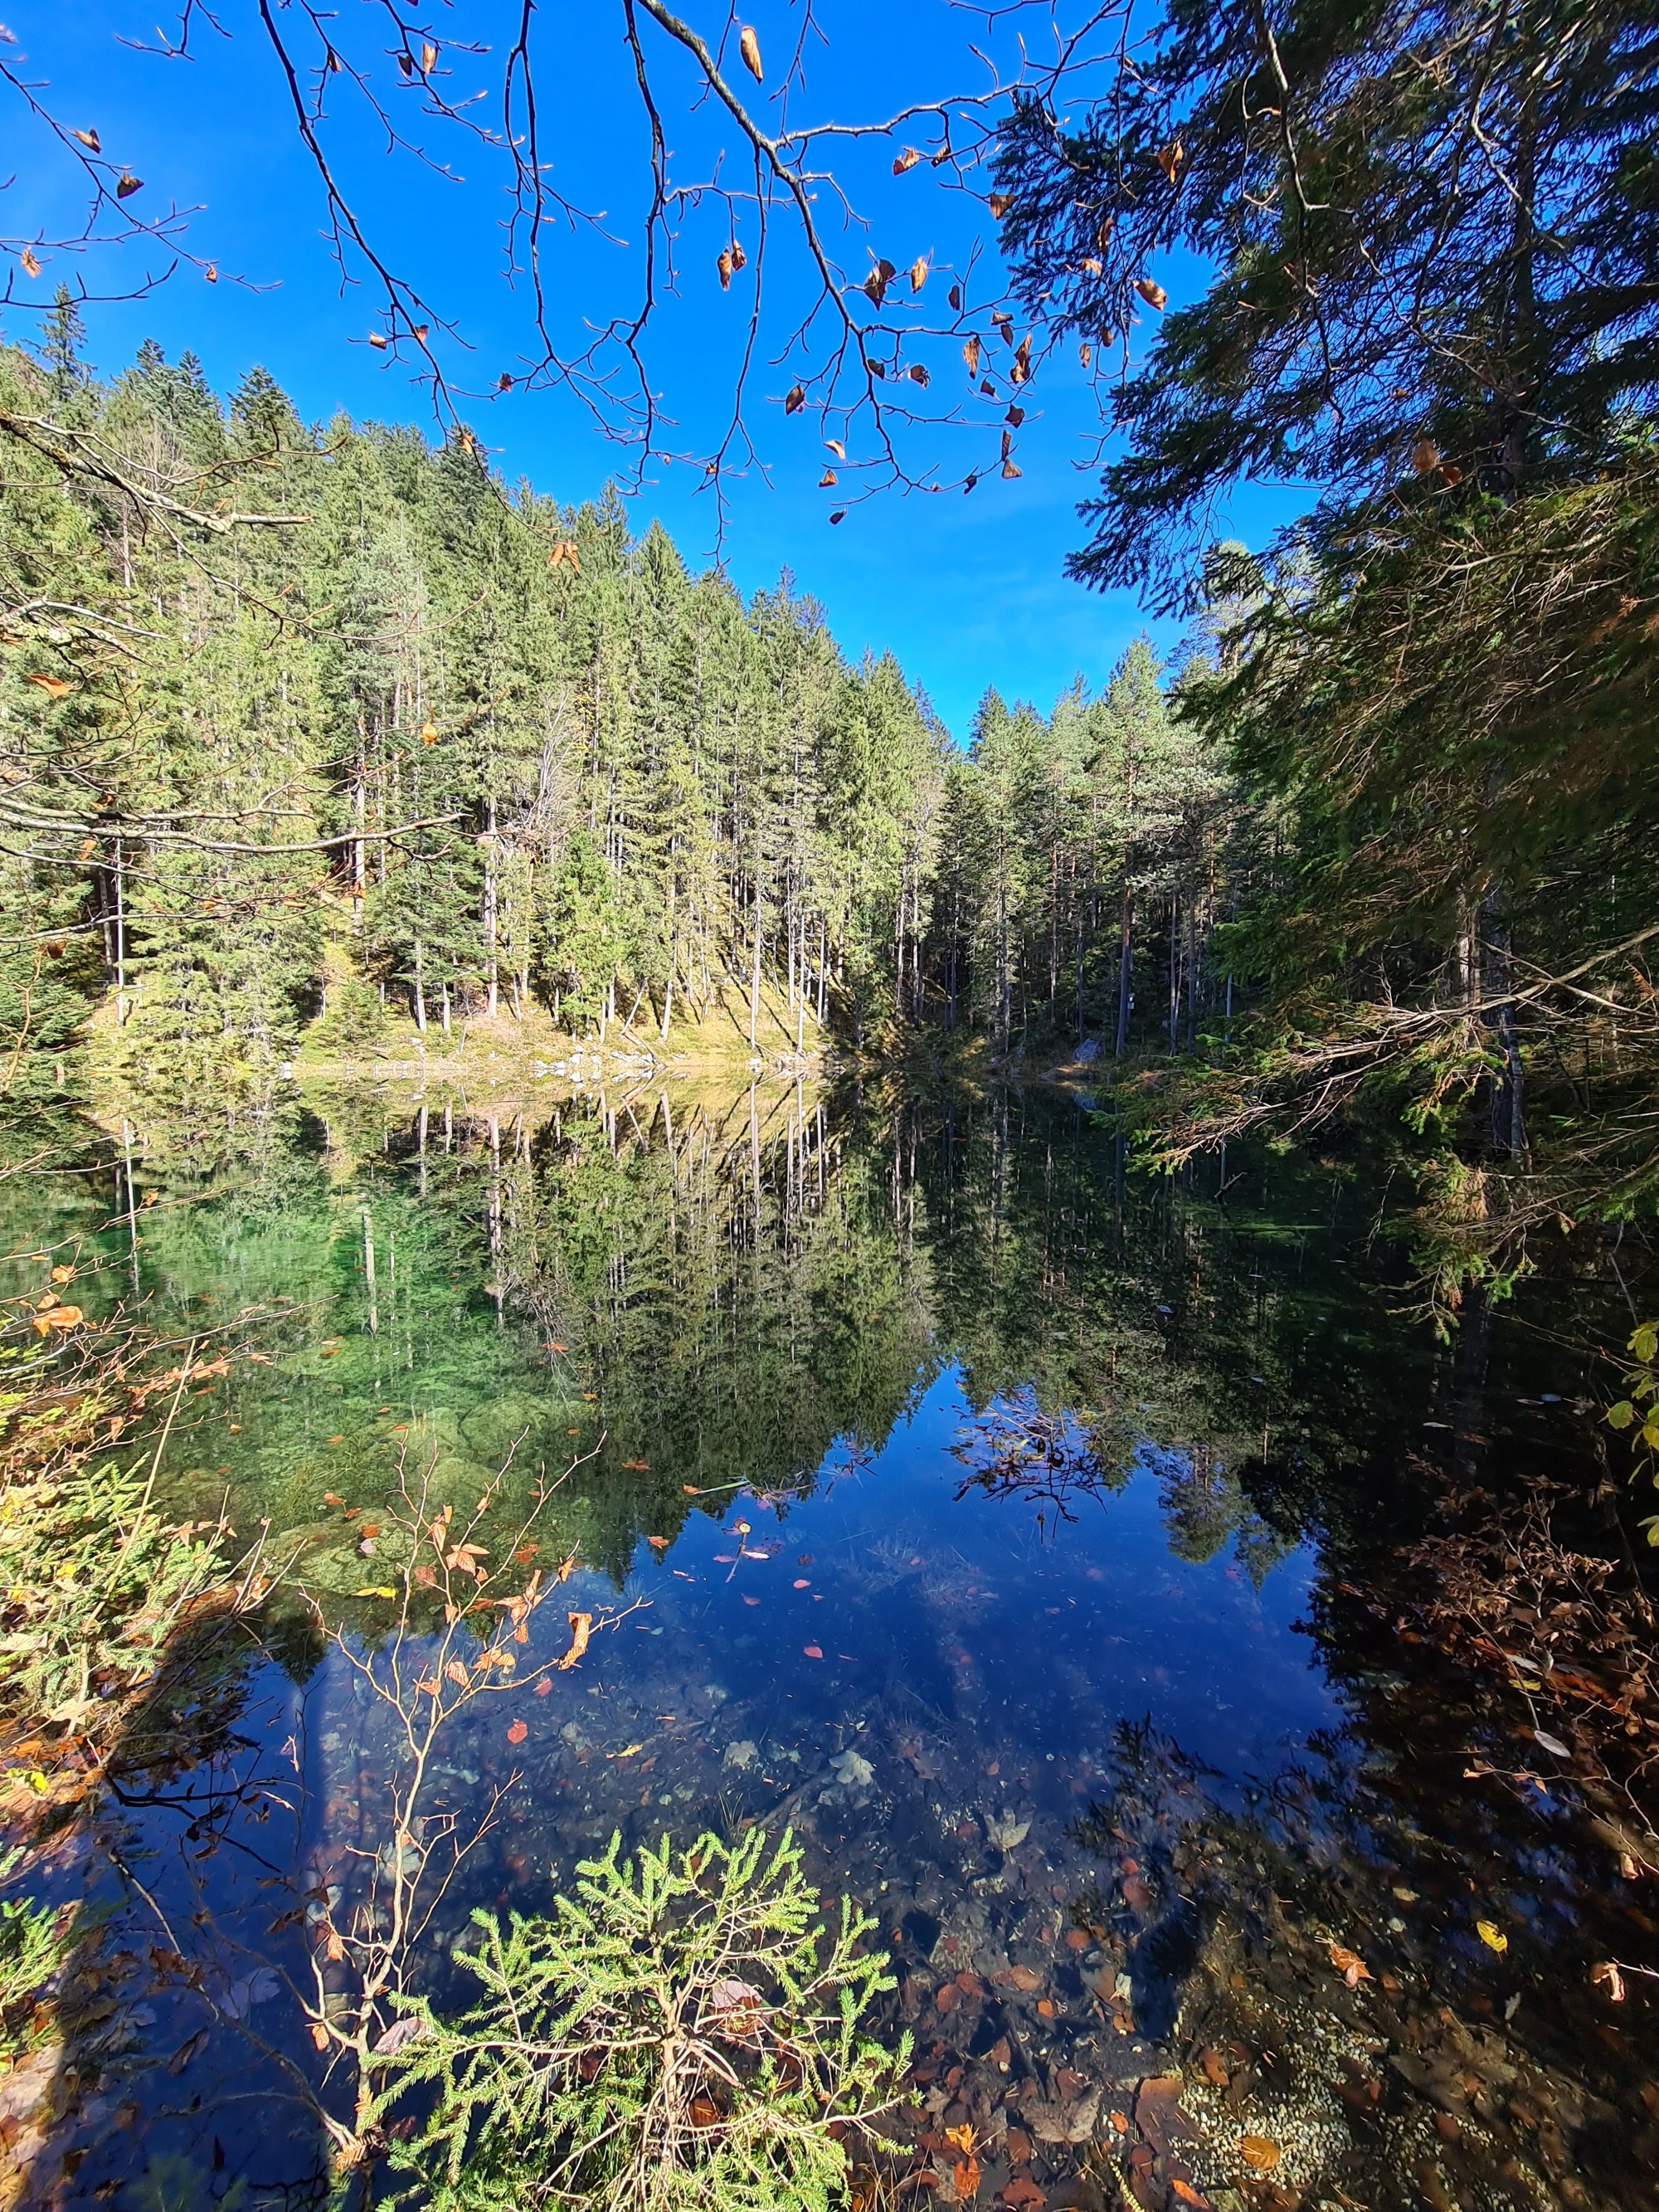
1046	2006
660	1543
1349	1964
1021	1977
811	1651
1260	2153
1552	1744
636	1466
1491	1935
800	1582
1186	2194
375	1590
582	1627
966	2177
543	1688
517	1732
961	2138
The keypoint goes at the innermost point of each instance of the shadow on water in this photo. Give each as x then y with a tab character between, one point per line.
1027	1533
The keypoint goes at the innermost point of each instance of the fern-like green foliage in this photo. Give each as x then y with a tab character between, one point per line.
683	2035
93	1583
35	1943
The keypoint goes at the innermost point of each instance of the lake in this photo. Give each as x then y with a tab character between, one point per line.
1024	1530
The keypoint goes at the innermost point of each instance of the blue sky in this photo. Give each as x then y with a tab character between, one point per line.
967	592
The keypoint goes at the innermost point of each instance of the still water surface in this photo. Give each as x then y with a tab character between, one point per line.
1027	1536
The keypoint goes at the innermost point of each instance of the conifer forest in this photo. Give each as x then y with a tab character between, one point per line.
770	1443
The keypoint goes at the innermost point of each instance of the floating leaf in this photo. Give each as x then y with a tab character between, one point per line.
749	47
1552	1744
544	1687
582	1627
517	1732
1491	1935
812	1651
1153	295
1349	1964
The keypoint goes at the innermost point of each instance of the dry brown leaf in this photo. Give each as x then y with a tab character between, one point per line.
1260	2153
828	478
961	2138
1349	1964
749	47
88	139
740	258
1170	159
907	160
1425	456
1086	354
919	272
582	1627
917	374
517	1732
970	355
53	686
31	266
966	2177
1001	203
836	448
1153	295
126	185
377	341
428	57
793	400
1609	1977
724	264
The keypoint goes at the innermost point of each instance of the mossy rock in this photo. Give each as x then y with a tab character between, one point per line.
458	1482
491	1430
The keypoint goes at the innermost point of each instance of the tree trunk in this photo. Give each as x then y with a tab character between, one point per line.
1125	950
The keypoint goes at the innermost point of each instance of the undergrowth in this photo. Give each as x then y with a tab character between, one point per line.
681	2035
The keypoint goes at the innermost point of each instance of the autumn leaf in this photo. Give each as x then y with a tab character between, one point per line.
1153	295
1001	203
1260	2153
1086	355
836	448
31	266
1491	1935
919	272
954	296
319	2036
1451	474
88	139
1170	159
544	1687
840	515
907	160
428	57
966	2177
377	340
918	372
740	258
333	1947
53	686
970	355
582	1627
457	1673
428	732
504	382
812	1651
1607	1976
1010	471
1186	2194
876	283
1349	1964
60	1318
795	399
517	1732
828	478
749	47
724	264
1425	456
126	185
